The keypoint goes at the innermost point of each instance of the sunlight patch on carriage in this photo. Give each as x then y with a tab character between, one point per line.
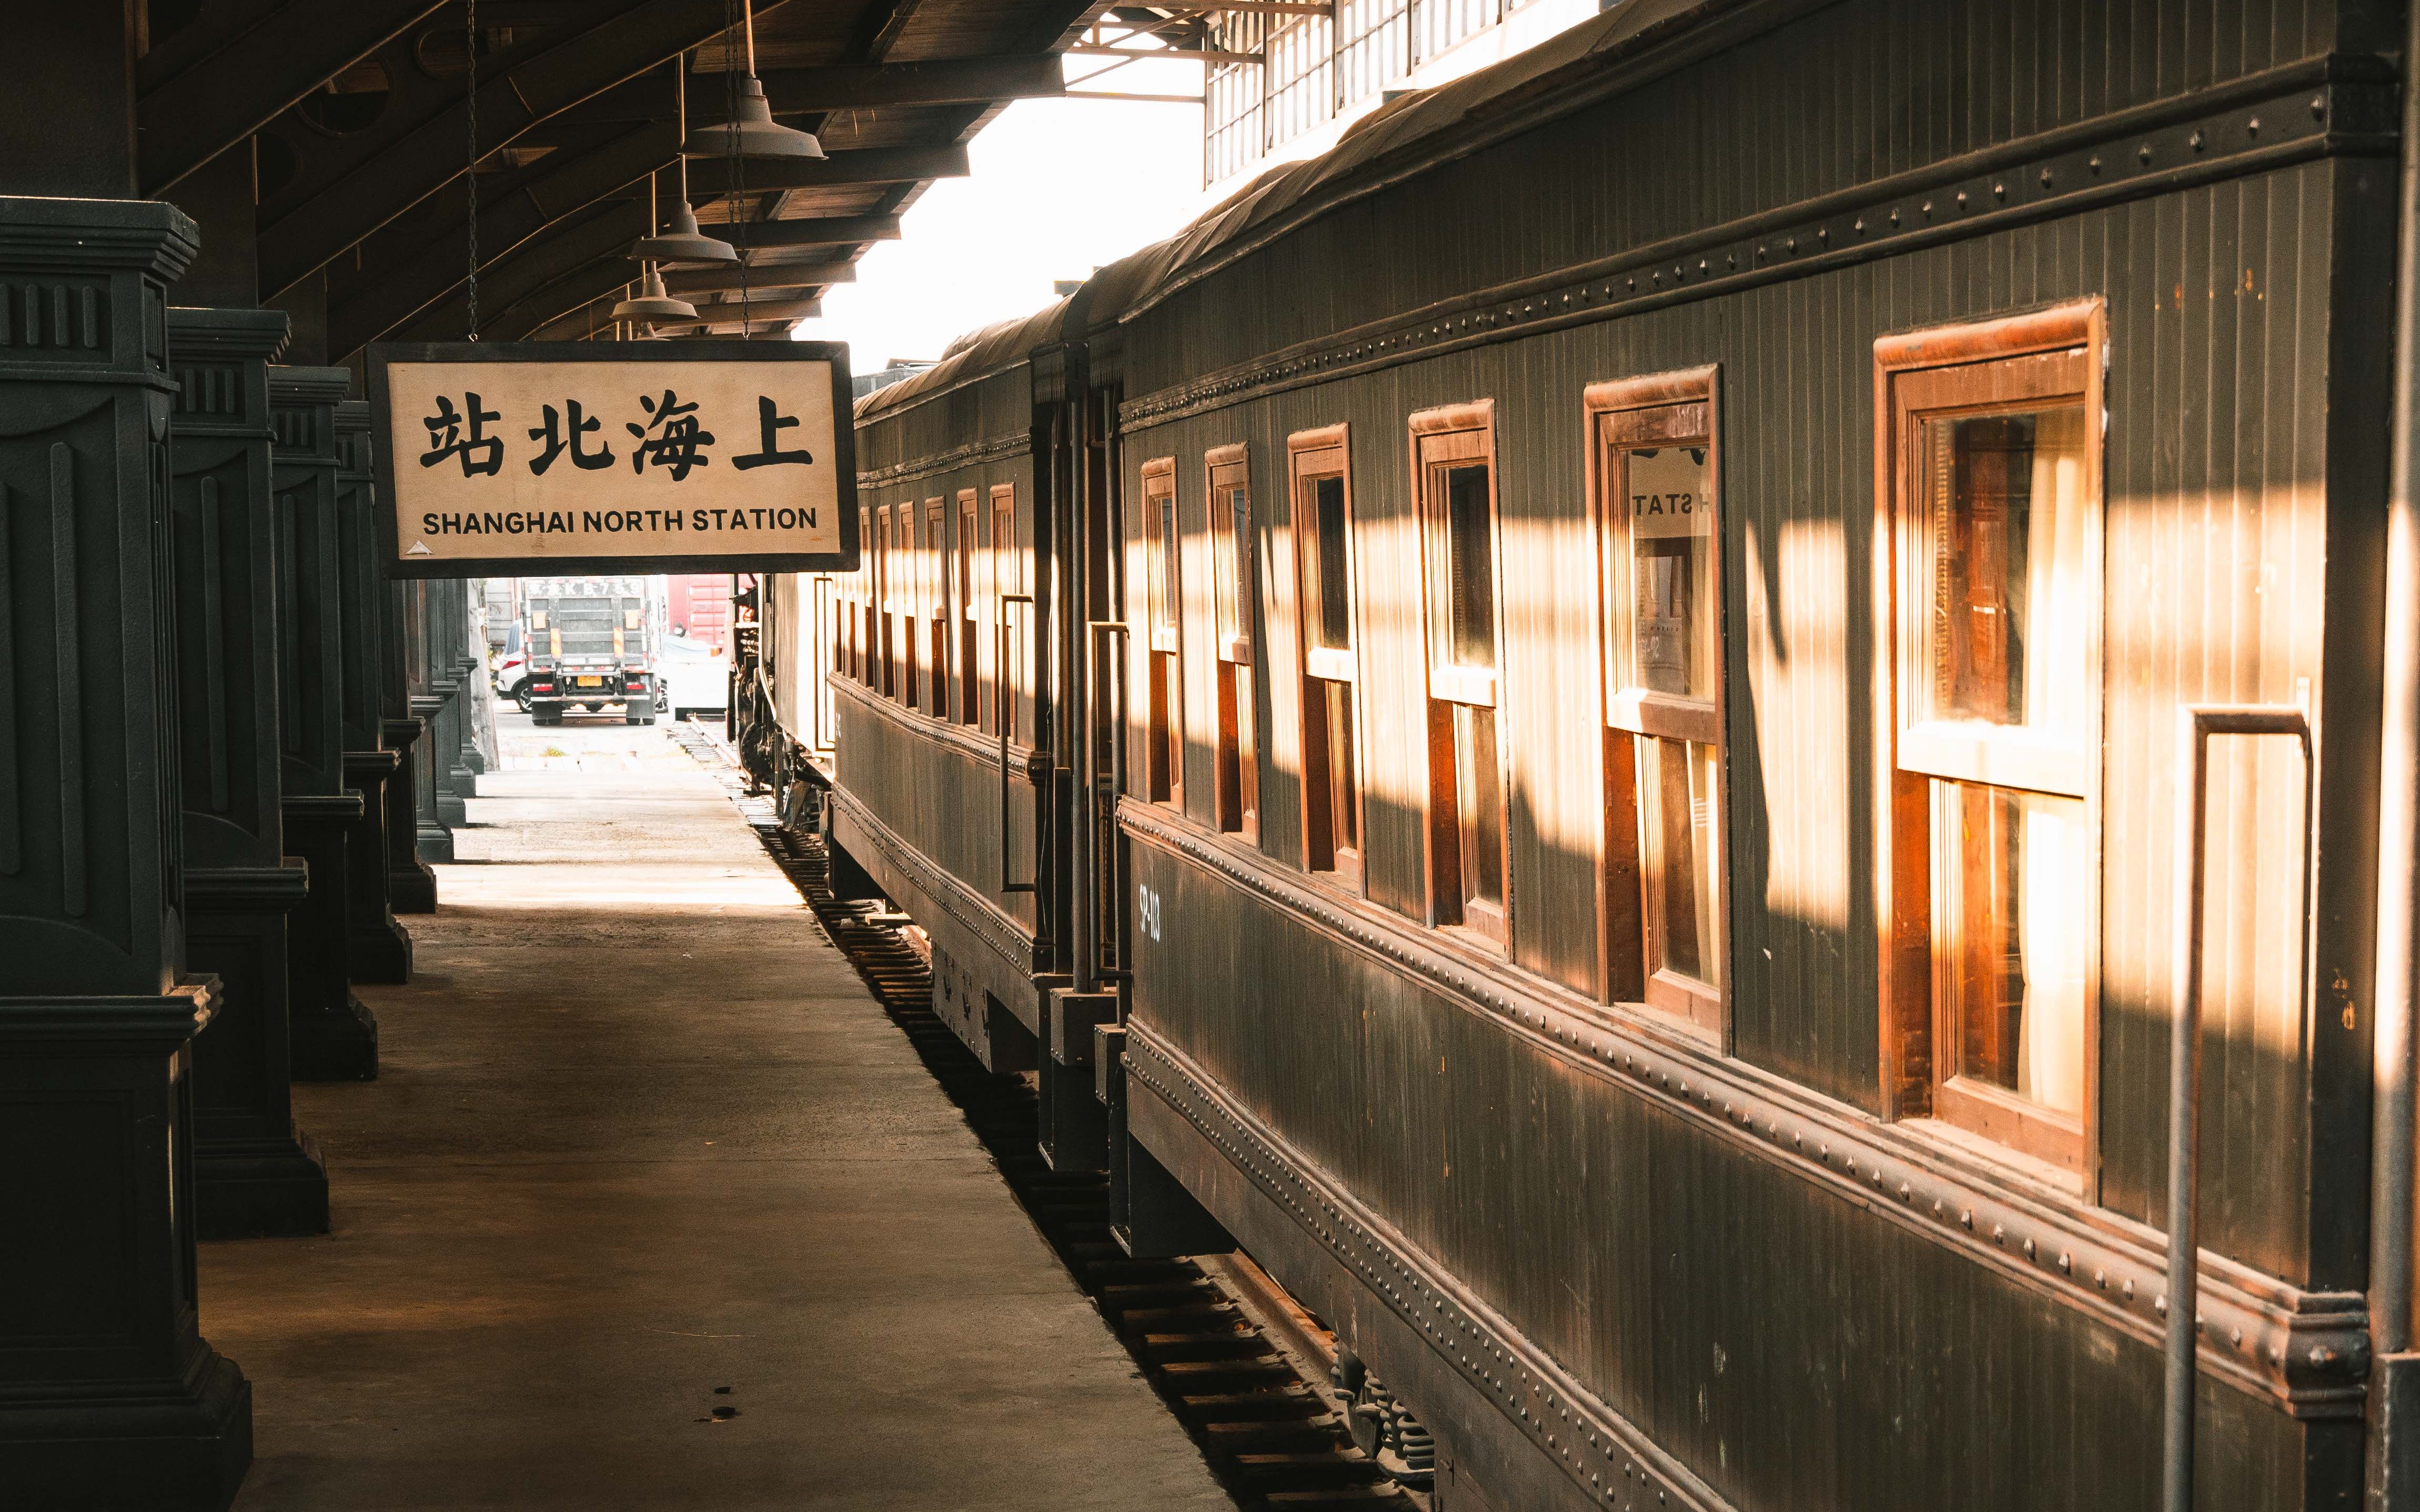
1789	806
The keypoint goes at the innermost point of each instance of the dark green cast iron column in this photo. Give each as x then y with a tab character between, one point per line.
334	1035
256	1175
379	948
108	1392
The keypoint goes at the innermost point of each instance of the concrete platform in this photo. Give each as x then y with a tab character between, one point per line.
639	1135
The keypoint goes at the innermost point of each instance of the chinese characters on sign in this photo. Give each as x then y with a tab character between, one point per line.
579	460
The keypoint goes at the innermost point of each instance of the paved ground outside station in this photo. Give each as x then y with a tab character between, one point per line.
641	1136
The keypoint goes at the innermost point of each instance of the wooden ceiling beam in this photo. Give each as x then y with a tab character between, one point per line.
827	231
510	286
364	182
238	64
390	291
979	81
711	177
685	282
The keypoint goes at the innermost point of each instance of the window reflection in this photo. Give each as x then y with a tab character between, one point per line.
1675	646
2012	924
2007	527
1682	838
1472	566
1330	626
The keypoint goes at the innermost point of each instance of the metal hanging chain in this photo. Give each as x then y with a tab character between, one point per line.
738	15
470	172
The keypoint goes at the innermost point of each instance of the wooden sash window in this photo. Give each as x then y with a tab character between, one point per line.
904	593
1453	467
885	564
969	622
1236	792
1659	528
1989	555
937	608
862	618
1008	578
1332	746
1164	758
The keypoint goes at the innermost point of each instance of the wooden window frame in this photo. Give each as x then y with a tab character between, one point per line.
907	591
1447	434
884	569
1673	408
934	630
1163	636
1007	577
1235	783
1312	455
1977	368
969	617
860	651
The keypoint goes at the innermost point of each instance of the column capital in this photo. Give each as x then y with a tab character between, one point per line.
149	235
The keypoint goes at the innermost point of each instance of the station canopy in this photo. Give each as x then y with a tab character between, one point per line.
362	119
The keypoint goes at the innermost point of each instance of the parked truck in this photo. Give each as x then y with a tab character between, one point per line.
589	643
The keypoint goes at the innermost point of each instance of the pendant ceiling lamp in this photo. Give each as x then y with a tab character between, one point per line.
684	245
653	304
751	131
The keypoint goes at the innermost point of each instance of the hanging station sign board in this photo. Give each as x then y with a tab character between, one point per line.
519	458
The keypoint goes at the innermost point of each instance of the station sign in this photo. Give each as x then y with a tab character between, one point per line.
519	458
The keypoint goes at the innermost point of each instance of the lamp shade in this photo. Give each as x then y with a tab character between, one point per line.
751	131
654	305
684	245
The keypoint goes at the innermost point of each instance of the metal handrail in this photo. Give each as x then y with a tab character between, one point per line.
822	606
999	695
2195	724
1102	630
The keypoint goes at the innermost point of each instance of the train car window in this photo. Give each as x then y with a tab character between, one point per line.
860	627
937	610
1236	792
1323	545
1164	758
1990	561
909	594
1453	463
1008	578
884	566
1664	930
968	649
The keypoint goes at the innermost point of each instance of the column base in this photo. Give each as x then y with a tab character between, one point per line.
377	948
334	1036
336	1042
410	886
113	1400
182	1447
279	1192
253	1175
435	843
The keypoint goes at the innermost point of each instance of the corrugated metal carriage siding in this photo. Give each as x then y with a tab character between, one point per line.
1786	1325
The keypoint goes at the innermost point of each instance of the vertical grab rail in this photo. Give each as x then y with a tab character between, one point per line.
1103	631
824	625
1000	694
2195	725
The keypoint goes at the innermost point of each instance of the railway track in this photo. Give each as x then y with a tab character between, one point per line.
1243	1368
